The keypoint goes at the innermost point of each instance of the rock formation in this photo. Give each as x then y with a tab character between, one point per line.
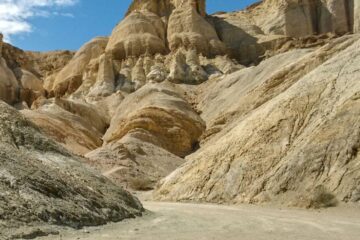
8	82
105	80
157	114
77	126
279	141
253	106
70	78
315	16
42	184
187	28
139	33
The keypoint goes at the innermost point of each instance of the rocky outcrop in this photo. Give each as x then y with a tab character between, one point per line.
105	80
240	35
49	63
138	74
279	142
70	77
133	163
158	114
188	29
139	33
77	126
30	81
8	82
43	184
315	16
150	132
151	27
186	68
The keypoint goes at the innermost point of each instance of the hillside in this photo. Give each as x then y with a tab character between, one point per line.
255	106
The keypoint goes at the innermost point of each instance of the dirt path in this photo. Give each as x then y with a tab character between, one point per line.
176	221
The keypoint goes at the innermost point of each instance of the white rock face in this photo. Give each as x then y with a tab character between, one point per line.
279	142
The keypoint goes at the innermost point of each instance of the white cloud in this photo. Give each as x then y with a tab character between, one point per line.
15	14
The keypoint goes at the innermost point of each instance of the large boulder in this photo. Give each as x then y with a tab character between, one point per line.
42	184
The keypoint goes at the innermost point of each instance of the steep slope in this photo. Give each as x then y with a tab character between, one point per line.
292	136
43	184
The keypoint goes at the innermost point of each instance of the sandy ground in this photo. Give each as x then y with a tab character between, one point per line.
178	221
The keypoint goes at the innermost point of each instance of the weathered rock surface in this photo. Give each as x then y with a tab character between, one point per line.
152	27
279	142
8	82
316	16
187	28
70	78
139	33
77	126
356	16
251	99
149	133
157	113
41	183
48	63
133	163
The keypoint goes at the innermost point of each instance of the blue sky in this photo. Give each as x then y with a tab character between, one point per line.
68	24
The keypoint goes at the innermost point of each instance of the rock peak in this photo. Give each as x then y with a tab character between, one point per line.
154	26
165	7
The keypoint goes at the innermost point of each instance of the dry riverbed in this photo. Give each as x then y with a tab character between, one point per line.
179	221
